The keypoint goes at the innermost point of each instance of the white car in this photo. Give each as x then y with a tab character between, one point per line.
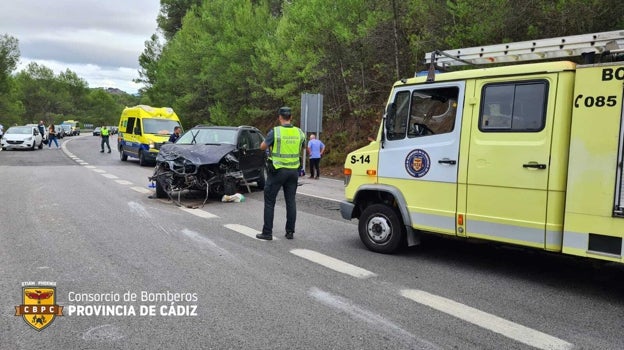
24	137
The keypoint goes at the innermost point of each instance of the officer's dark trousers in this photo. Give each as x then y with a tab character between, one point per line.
287	180
105	142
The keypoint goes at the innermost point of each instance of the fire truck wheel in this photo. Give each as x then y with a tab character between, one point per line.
381	229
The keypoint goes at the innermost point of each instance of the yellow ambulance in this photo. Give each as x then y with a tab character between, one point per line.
528	154
142	130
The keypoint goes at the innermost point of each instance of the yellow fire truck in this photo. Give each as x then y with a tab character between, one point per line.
522	153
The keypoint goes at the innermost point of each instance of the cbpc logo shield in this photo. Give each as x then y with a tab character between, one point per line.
38	307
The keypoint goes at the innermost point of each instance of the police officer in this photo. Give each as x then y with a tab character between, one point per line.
285	143
104	133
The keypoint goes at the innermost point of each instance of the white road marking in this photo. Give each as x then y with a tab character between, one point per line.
110	176
83	163
198	212
315	196
139	209
247	231
101	171
141	189
123	182
374	321
90	166
333	263
488	321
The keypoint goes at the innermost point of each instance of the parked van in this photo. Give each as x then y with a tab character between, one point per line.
142	130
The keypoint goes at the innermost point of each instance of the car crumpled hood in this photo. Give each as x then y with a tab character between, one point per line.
197	154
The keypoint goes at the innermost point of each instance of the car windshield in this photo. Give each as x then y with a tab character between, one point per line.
159	126
25	130
208	135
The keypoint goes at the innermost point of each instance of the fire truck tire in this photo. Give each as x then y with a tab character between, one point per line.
381	229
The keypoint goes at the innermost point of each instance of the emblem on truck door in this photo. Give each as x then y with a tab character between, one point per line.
417	163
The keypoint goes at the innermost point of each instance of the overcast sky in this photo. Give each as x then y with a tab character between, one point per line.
99	40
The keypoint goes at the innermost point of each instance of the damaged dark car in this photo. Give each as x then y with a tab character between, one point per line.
214	159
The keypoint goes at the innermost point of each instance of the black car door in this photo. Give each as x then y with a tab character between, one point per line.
251	157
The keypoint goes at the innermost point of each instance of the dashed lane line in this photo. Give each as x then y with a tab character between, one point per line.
333	263
141	189
99	171
247	231
123	182
110	176
488	321
198	212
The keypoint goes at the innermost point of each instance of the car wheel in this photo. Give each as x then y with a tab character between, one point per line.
33	146
262	179
41	144
160	191
142	161
229	187
381	228
122	155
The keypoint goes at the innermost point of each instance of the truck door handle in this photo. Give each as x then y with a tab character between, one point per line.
534	165
447	161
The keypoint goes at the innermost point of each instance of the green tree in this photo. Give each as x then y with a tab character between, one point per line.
171	14
9	56
203	71
10	107
103	110
148	60
338	49
38	94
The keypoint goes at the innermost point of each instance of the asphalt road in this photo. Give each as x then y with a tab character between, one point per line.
138	273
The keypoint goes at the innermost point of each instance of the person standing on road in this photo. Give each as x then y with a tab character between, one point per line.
176	134
104	133
316	148
52	136
285	143
41	128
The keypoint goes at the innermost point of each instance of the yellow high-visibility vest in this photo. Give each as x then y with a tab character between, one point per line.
286	146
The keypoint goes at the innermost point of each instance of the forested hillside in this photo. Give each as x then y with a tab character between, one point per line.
232	62
236	62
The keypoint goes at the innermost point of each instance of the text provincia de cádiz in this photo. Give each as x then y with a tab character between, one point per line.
169	309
